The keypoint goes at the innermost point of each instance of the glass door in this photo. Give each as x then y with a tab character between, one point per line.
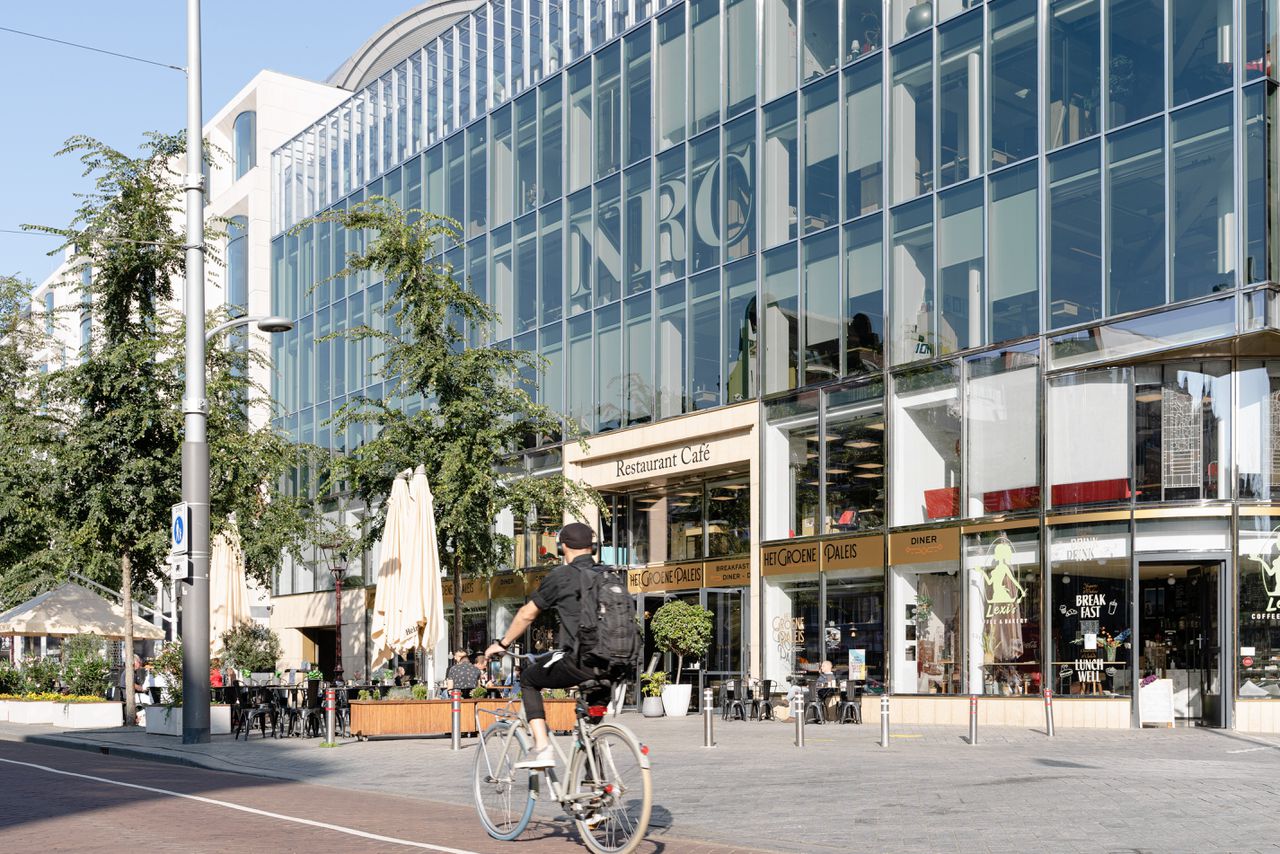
1179	632
725	656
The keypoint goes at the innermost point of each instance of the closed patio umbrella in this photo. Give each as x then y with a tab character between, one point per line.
228	588
432	631
384	630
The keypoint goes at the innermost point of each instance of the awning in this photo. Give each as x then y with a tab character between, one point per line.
72	610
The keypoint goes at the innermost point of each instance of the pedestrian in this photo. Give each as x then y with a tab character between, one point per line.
465	676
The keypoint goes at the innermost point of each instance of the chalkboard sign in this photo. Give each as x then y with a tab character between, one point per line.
1155	702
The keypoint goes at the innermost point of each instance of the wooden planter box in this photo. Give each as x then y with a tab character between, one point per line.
434	717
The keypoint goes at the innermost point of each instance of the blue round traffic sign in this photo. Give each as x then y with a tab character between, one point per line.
179	531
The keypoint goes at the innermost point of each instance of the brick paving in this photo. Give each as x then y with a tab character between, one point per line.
1166	790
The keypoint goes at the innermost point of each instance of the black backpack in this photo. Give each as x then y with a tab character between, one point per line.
608	634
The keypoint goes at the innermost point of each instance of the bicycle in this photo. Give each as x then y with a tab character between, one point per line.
607	791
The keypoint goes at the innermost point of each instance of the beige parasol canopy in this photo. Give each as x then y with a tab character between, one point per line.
72	610
395	546
228	588
432	631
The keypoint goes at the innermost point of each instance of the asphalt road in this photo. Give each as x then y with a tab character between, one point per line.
56	800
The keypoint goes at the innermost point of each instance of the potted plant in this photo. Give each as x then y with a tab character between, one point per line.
252	648
684	630
652	685
166	719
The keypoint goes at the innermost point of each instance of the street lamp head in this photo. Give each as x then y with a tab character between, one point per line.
275	324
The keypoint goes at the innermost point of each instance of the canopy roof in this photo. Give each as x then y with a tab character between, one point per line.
72	610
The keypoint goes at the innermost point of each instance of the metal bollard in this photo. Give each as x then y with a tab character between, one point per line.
884	720
798	714
456	715
708	718
330	713
1048	712
973	719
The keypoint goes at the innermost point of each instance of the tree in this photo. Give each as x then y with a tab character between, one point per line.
477	409
682	629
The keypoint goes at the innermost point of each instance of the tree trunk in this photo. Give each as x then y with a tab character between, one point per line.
457	602
679	666
126	596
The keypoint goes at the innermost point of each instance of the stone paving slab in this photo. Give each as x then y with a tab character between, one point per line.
1156	790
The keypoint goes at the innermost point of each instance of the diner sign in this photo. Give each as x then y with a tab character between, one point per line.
790	558
853	553
735	572
509	585
924	546
672	576
533	579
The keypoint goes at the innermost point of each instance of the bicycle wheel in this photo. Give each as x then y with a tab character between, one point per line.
502	792
614	819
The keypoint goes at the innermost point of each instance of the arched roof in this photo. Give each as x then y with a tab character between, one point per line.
397	39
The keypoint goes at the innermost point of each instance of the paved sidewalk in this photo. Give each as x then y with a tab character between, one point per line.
1167	790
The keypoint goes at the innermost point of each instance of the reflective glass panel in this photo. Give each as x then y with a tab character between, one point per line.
579	148
1201	47
781	353
1002	432
704	189
740	331
1012	302
913	299
960	100
779	193
579	257
778	55
926	445
638	228
911	111
670	71
1204	223
671	350
1135	218
704	340
821	50
670	209
1135	59
863	153
821	155
608	111
704	65
1088	438
608	358
822	307
551	138
551	274
639	102
608	246
864	296
960	268
1075	236
738	180
741	58
638	370
1013	80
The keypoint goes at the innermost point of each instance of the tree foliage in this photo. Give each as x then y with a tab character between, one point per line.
477	410
251	647
682	629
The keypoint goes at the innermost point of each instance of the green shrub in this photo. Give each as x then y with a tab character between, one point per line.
169	664
10	678
39	675
421	692
654	683
479	692
364	695
85	670
251	648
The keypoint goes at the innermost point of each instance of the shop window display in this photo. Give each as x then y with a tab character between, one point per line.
1258	668
1004	589
793	642
1091	617
927	639
853	630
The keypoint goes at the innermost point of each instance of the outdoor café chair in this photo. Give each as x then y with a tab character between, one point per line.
851	705
731	707
259	709
760	699
812	703
311	716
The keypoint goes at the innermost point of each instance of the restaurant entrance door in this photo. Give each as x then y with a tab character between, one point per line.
728	618
1180	632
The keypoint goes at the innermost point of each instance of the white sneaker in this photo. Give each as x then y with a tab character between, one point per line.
544	758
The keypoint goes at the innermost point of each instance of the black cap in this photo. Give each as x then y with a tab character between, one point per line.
576	535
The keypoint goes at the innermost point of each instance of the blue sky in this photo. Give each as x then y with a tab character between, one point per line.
53	92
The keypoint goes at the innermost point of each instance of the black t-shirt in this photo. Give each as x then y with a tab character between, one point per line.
562	590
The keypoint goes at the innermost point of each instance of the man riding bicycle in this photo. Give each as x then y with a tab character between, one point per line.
561	591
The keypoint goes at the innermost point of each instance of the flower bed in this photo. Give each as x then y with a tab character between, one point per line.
70	711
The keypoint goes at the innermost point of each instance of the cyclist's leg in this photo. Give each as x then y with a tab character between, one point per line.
555	673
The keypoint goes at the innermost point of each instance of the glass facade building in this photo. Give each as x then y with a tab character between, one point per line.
996	282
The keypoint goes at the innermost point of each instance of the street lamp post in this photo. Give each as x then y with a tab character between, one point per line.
338	568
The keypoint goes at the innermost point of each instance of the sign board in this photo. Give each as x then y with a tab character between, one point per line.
179	568
1155	701
853	553
858	665
734	572
180	529
790	558
672	576
929	546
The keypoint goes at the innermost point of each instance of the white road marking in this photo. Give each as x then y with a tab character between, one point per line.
1250	749
296	820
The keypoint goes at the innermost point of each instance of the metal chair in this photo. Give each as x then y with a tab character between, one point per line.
311	716
257	708
851	705
733	709
812	703
766	708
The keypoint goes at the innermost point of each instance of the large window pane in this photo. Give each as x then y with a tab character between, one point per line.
1201	47
779	50
1182	418
1002	432
822	307
1258	430
1075	236
1075	69
1261	28
526	177
551	275
1004	580
911	114
926	445
864	296
1259	601
672	201
704	340
608	245
821	155
500	177
1089	598
781	351
1135	59
821	38
1013	80
1260	170
579	256
1088	439
551	138
738	179
926	630
526	274
960	100
863	153
704	189
579	126
671	350
1135	218
863	32
580	375
913	299
638	370
960	268
741	58
740	331
609	380
501	280
639	96
608	110
704	64
478	280
670	73
477	152
1204	232
638	228
455	199
854	441
780	195
1012	289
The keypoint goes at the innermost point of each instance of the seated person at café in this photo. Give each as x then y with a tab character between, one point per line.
826	682
463	674
486	676
402	679
139	681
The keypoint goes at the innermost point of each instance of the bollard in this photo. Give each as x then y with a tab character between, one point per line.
884	720
708	718
973	719
798	703
330	712
1048	712
456	715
